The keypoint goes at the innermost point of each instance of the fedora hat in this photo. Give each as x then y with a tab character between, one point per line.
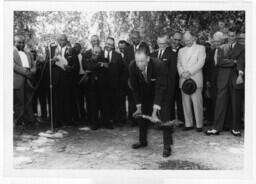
189	86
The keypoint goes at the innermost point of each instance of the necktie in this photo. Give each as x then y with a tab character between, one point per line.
160	54
109	59
144	73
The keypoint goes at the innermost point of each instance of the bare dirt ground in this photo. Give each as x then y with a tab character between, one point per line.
111	149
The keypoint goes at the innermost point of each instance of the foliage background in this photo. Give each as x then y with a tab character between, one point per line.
41	27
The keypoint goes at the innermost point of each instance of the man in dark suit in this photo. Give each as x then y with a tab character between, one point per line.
129	54
148	78
24	69
63	68
114	81
97	89
40	93
176	45
229	82
122	45
169	60
95	41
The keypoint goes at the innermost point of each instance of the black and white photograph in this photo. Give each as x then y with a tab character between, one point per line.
129	90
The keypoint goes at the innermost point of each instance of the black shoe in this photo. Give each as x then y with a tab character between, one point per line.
139	145
110	126
199	129
212	132
187	128
236	133
167	152
95	127
226	129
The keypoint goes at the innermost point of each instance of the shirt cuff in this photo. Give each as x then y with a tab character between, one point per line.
138	105
155	106
241	72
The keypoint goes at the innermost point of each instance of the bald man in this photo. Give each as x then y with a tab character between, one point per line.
229	60
95	41
24	68
191	59
96	90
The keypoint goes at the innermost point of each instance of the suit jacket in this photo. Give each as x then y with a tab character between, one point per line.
150	92
20	73
115	71
193	61
97	76
169	60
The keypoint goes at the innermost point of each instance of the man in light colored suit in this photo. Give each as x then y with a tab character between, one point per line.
24	68
191	60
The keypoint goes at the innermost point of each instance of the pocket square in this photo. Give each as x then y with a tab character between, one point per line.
153	79
164	59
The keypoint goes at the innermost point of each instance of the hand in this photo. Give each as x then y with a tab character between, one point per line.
207	93
208	84
29	74
33	70
105	65
186	75
137	112
239	80
154	117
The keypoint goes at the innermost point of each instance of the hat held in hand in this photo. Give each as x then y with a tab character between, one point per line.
189	86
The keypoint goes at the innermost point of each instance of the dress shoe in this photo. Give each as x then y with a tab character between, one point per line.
95	127
110	126
187	128
212	132
139	145
226	129
199	129
236	133
167	152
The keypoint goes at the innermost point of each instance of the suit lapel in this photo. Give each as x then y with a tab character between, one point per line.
149	70
189	55
17	57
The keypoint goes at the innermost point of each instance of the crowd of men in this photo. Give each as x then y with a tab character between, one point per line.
185	79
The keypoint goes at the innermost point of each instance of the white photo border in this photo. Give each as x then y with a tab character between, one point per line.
216	176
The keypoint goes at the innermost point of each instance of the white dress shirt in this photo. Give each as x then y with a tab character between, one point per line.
62	50
24	59
215	57
160	53
106	55
81	70
135	47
